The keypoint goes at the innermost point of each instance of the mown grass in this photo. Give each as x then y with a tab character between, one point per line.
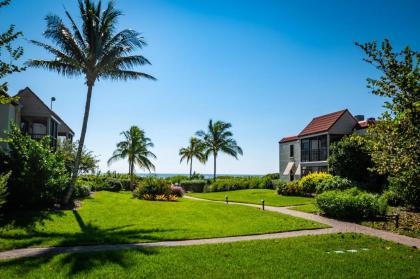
118	218
255	196
300	257
308	208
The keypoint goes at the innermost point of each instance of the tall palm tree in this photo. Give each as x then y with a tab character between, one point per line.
135	148
194	150
94	50
219	138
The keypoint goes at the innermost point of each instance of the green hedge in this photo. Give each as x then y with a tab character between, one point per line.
230	184
351	204
194	185
333	183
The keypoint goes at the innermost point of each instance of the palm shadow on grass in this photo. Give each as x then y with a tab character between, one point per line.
89	234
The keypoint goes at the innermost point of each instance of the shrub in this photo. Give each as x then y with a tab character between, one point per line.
333	183
177	191
407	187
351	204
194	185
309	182
105	182
230	184
3	188
80	191
291	188
278	183
177	178
393	198
273	176
157	189
39	177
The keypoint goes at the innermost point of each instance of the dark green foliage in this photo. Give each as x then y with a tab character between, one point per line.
351	204
6	66
393	198
333	183
196	185
39	177
239	183
395	137
106	182
351	158
81	191
278	183
153	187
3	188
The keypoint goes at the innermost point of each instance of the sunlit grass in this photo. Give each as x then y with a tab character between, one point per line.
255	196
301	257
118	218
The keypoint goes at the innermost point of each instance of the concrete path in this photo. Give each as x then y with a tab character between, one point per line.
339	226
336	227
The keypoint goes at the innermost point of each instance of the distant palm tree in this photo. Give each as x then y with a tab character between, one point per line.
194	150
94	51
135	148
218	139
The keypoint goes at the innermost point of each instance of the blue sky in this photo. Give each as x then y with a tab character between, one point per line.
267	67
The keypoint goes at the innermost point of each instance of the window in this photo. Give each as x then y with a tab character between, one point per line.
291	150
314	149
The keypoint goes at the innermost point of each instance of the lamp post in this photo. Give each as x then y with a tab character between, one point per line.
52	100
227	200
262	202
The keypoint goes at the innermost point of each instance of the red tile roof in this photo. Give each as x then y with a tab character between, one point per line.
289	138
322	123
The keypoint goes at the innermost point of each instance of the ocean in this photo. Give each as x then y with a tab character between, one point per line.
206	175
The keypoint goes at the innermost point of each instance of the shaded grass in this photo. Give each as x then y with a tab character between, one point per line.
255	196
118	218
300	257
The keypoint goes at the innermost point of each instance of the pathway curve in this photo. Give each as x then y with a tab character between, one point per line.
336	227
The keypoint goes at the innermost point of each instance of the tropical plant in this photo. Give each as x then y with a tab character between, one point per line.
38	176
68	150
396	141
219	139
194	150
94	51
135	148
7	67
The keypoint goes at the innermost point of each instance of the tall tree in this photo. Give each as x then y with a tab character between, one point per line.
219	139
93	51
194	150
396	136
135	148
13	54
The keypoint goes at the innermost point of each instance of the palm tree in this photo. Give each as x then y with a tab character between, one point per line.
134	147
217	139
195	149
93	51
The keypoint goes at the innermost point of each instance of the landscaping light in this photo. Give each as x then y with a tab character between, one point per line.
262	202
226	198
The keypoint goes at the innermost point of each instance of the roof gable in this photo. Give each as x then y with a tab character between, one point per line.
322	123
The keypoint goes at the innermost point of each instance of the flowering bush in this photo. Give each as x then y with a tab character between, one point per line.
291	188
158	190
309	182
177	191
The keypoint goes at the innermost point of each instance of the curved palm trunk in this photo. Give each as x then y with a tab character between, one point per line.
80	147
214	167
191	168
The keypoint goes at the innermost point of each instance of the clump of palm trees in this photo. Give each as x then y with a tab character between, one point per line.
135	148
216	140
93	50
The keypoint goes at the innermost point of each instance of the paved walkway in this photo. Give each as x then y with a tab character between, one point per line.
336	227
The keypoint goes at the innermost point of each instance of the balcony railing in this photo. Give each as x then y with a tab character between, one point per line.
314	155
38	136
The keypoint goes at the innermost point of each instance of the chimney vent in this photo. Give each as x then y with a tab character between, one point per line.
359	117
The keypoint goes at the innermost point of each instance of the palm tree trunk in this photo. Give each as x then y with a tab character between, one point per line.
132	176
191	168
80	147
214	167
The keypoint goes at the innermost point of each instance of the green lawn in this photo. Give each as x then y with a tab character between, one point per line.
270	197
117	218
308	208
300	257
